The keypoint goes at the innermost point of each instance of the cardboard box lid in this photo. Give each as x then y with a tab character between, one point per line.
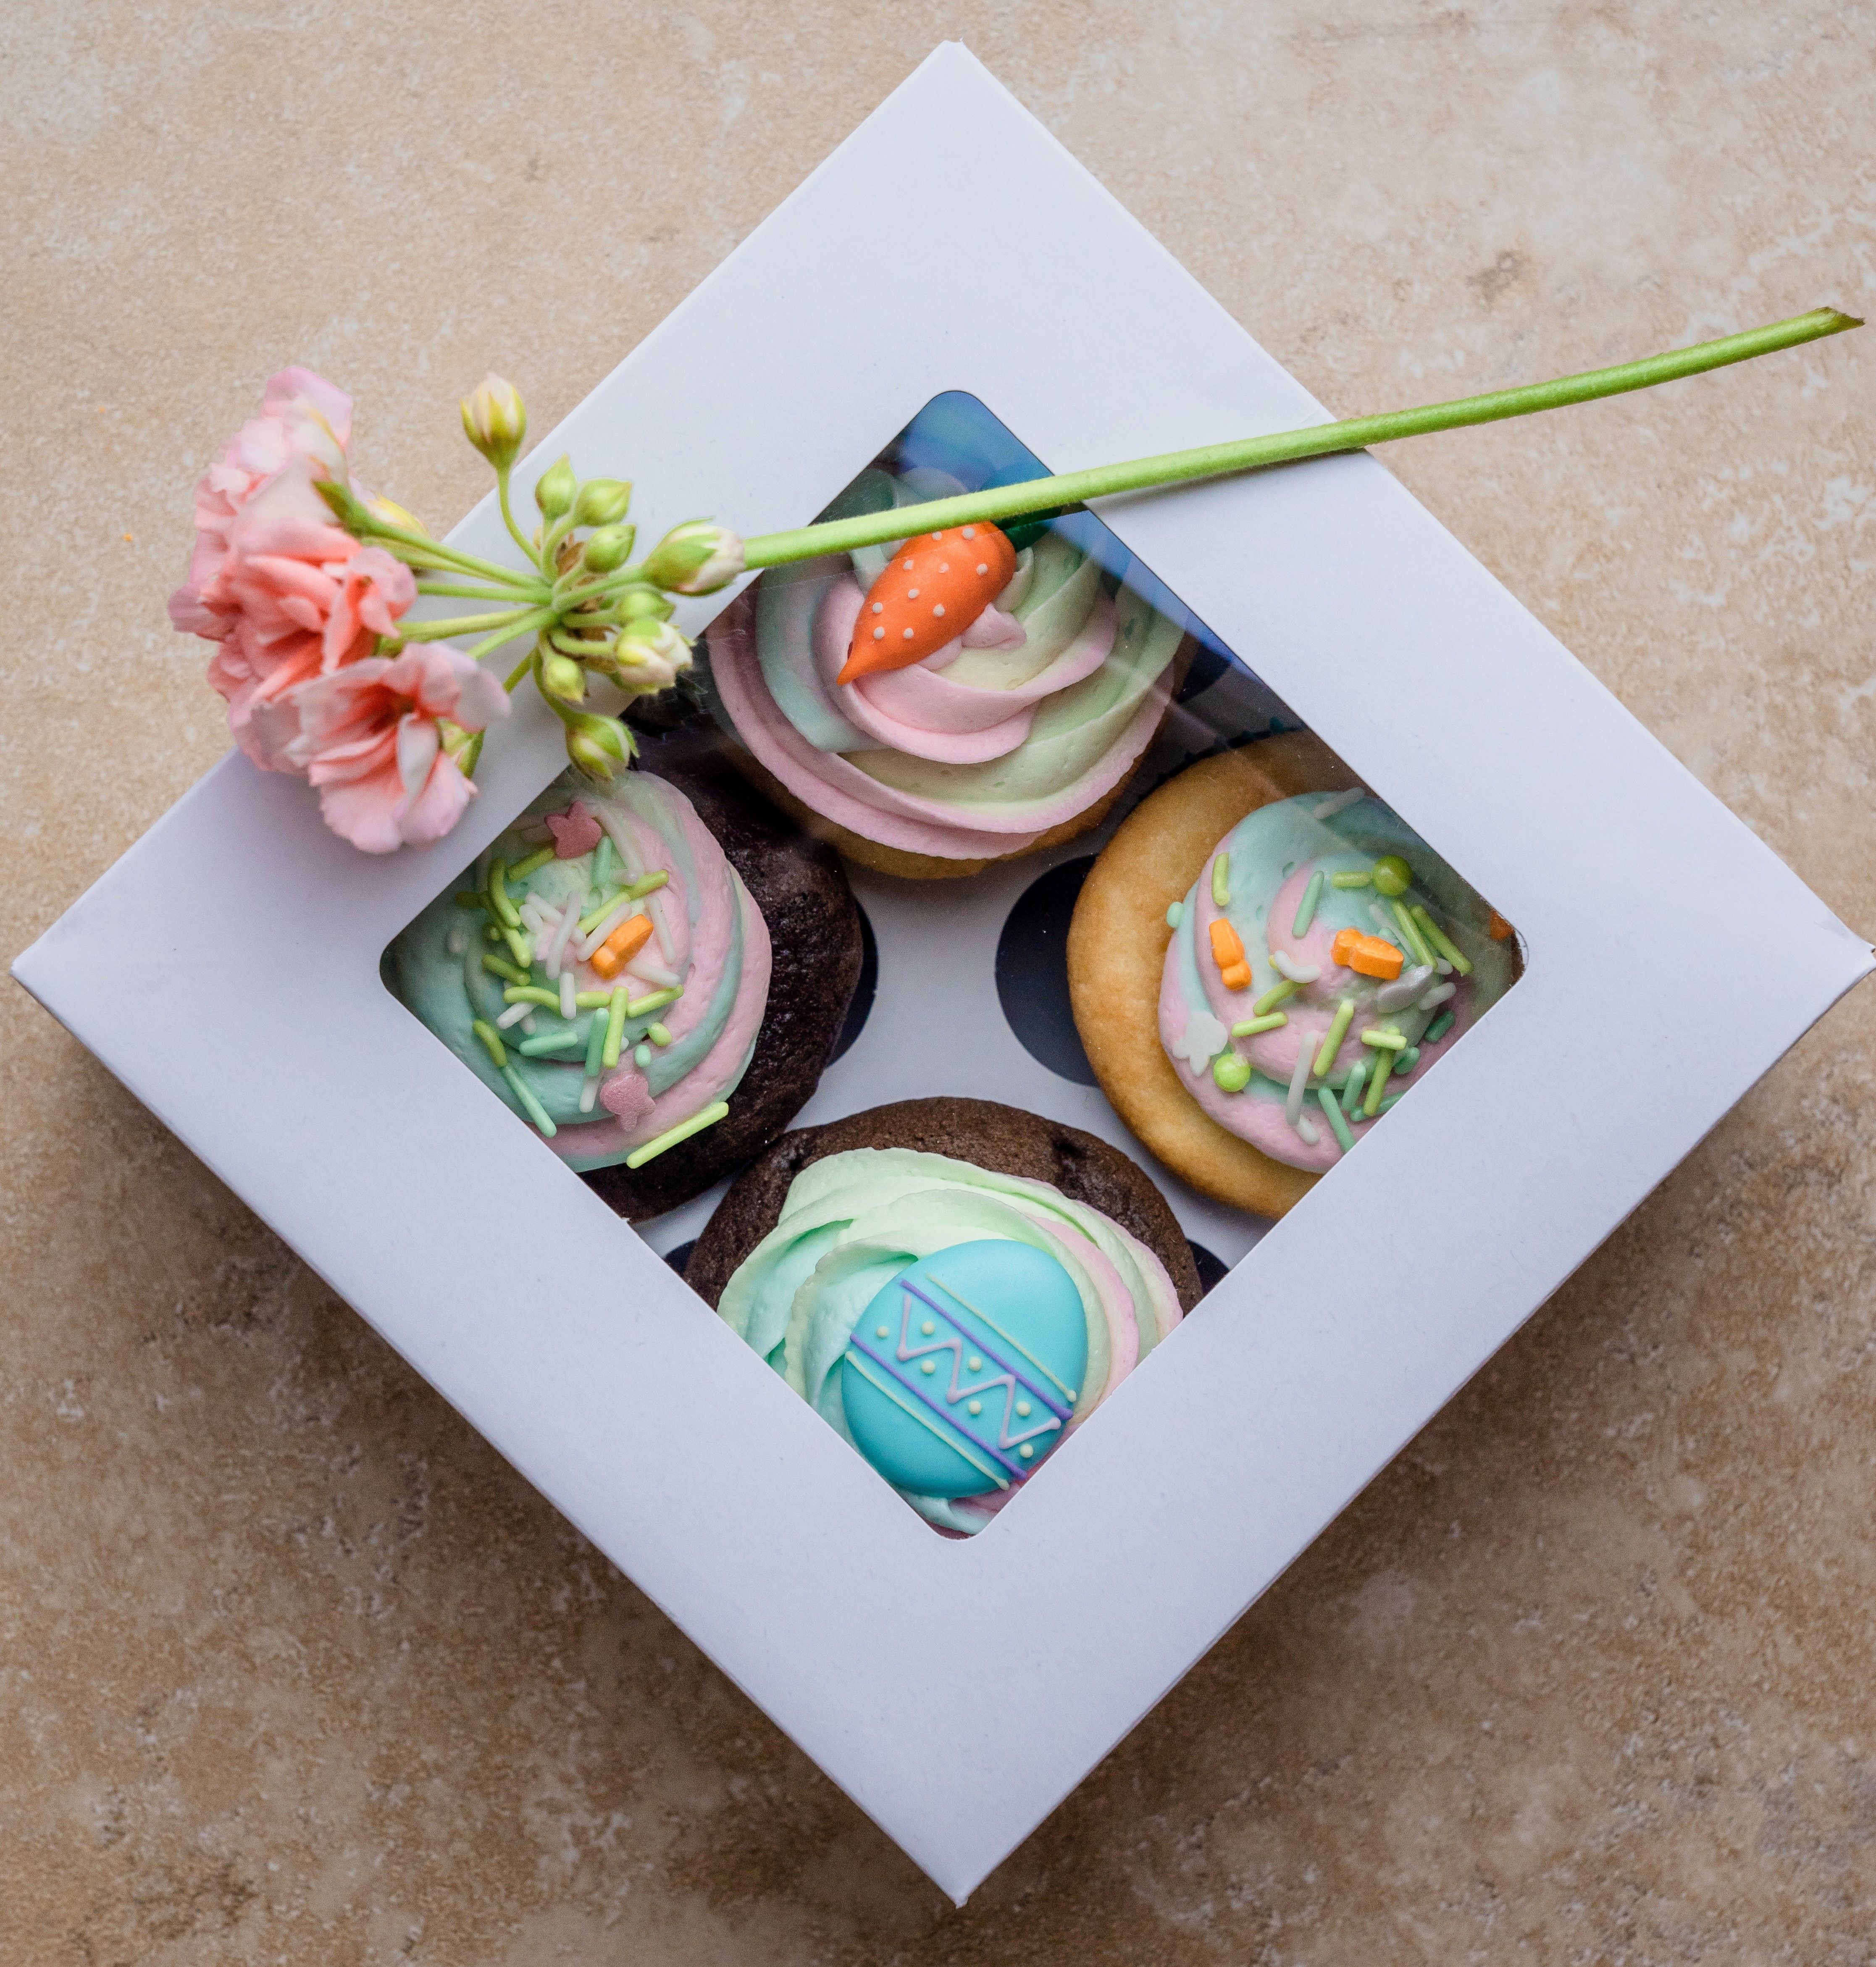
226	970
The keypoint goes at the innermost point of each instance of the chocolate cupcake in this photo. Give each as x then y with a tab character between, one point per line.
653	975
955	1286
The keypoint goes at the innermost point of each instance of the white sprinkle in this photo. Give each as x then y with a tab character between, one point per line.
1339	803
1297	972
588	1091
912	594
1389	928
879	634
647	971
970	532
527	1025
879	607
556	958
454	945
568	1008
627	906
1398	994
984	566
512	1016
661	924
939	609
909	634
1437	996
1299	1084
628	860
1307	1128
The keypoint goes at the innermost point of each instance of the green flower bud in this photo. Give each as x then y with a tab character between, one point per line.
596	744
637	603
602	502
562	677
494	421
697	558
649	655
390	513
610	547
554	489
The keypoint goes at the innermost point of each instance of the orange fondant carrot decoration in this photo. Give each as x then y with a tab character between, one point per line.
1498	928
622	945
934	588
1228	953
1369	955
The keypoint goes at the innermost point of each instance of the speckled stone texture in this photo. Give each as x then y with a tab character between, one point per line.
293	1668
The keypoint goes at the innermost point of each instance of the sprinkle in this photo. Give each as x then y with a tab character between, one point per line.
519	947
567	990
1227	953
642	969
615	1029
529	1027
530	1105
506	912
1338	1031
512	1016
1396	996
1274	997
1405	1063
496	966
655	1002
468	898
1299	1085
1221	882
492	1039
1251	1026
1349	880
1393	1100
1367	955
588	1091
592	1000
682	1132
598	913
596	1047
1306	1130
1297	972
549	1043
1306	909
531	994
1411	930
1351	1093
658	1034
1230	1073
1391	875
1384	1040
1339	803
1442	941
492	932
622	945
1439	1027
555	960
1437	997
1384	1063
1175	915
602	862
1498	929
522	869
641	1056
649	884
1344	1139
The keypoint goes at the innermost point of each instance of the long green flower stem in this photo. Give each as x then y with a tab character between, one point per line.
1253	453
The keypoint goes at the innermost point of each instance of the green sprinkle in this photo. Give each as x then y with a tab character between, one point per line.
1338	1031
496	966
522	869
1350	881
592	1000
682	1132
1391	875
1230	1073
1327	1101
650	885
658	1034
614	1027
471	898
1442	941
549	1043
641	1056
506	912
1384	1040
1393	1100
520	948
596	915
1439	1028
492	1039
655	1002
1411	930
1251	1026
1175	914
1306	909
595	1045
1406	1061
1221	882
1274	997
1351	1093
493	932
531	1106
1383	1063
602	861
531	994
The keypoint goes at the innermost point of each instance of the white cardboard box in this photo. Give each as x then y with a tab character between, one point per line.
957	1691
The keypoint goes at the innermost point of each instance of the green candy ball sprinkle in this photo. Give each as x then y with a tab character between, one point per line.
1391	875
1231	1073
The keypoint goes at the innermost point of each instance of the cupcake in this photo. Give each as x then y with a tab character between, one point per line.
944	701
1264	960
952	1285
651	974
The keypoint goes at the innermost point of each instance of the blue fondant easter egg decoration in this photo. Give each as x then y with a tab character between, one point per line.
963	1372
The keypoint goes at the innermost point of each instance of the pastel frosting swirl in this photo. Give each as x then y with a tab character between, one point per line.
1272	861
696	987
852	1223
1037	710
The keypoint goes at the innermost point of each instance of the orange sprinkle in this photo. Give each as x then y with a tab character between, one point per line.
935	587
1368	955
622	945
1498	928
1228	953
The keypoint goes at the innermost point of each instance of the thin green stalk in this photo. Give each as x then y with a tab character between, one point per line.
421	549
464	593
527	625
468	624
1254	453
515	532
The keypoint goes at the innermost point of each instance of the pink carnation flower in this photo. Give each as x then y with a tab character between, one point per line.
368	738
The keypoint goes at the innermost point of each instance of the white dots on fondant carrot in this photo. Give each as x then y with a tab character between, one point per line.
939	609
879	607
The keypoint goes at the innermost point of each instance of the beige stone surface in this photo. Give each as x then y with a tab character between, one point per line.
292	1668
